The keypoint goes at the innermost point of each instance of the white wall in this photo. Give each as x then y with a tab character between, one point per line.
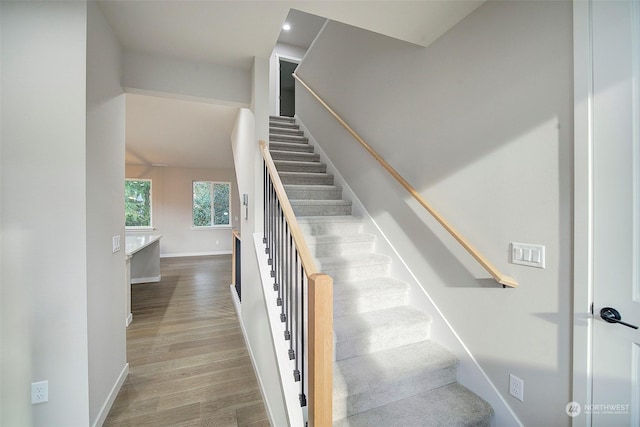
44	212
287	51
250	127
480	122
243	145
171	209
154	74
105	173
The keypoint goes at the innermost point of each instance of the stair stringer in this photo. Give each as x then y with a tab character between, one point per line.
470	374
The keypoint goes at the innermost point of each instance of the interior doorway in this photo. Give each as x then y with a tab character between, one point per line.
287	87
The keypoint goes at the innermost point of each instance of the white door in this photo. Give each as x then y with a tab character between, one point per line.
616	212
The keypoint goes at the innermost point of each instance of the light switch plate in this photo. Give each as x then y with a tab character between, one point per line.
116	244
528	254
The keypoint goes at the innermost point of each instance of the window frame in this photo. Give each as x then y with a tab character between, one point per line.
141	227
212	212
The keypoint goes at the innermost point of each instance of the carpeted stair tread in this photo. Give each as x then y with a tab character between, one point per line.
308	207
288	138
313	192
452	405
276	130
273	124
294	155
299	166
305	178
282	118
359	374
291	146
339	224
312	202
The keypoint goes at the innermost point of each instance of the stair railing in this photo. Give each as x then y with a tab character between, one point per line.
236	251
481	259
305	296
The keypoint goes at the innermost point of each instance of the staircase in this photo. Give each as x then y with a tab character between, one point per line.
387	372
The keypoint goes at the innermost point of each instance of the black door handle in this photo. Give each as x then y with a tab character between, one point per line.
611	315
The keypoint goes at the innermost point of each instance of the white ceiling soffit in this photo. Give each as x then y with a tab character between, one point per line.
304	29
233	32
177	133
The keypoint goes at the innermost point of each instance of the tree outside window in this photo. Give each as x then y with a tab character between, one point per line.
211	204
137	202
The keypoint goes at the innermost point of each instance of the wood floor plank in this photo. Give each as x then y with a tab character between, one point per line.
187	359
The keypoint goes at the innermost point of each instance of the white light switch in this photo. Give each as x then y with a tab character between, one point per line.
116	244
527	254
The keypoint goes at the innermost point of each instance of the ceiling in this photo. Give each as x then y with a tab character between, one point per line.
182	133
232	32
177	133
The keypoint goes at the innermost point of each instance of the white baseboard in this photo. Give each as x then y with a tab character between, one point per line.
151	279
236	302
238	306
188	254
106	407
129	319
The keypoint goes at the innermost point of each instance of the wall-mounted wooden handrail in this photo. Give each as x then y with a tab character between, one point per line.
303	250
484	262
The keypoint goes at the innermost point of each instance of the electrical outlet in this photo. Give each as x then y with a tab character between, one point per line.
516	387
39	392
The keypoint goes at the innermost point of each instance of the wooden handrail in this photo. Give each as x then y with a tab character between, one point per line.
303	250
484	262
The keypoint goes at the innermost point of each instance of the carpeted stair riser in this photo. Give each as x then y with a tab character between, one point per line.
274	124
297	166
361	267
336	245
369	332
305	178
320	207
285	131
315	226
294	156
365	296
288	138
291	146
313	192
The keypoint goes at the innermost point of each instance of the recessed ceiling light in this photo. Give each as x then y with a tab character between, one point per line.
286	27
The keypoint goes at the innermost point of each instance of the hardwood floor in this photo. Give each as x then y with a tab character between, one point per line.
188	362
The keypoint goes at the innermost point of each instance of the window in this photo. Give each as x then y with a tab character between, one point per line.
211	204
137	202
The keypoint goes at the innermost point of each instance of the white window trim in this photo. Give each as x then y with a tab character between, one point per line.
149	227
211	227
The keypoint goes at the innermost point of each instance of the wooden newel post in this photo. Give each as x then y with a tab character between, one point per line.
320	350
